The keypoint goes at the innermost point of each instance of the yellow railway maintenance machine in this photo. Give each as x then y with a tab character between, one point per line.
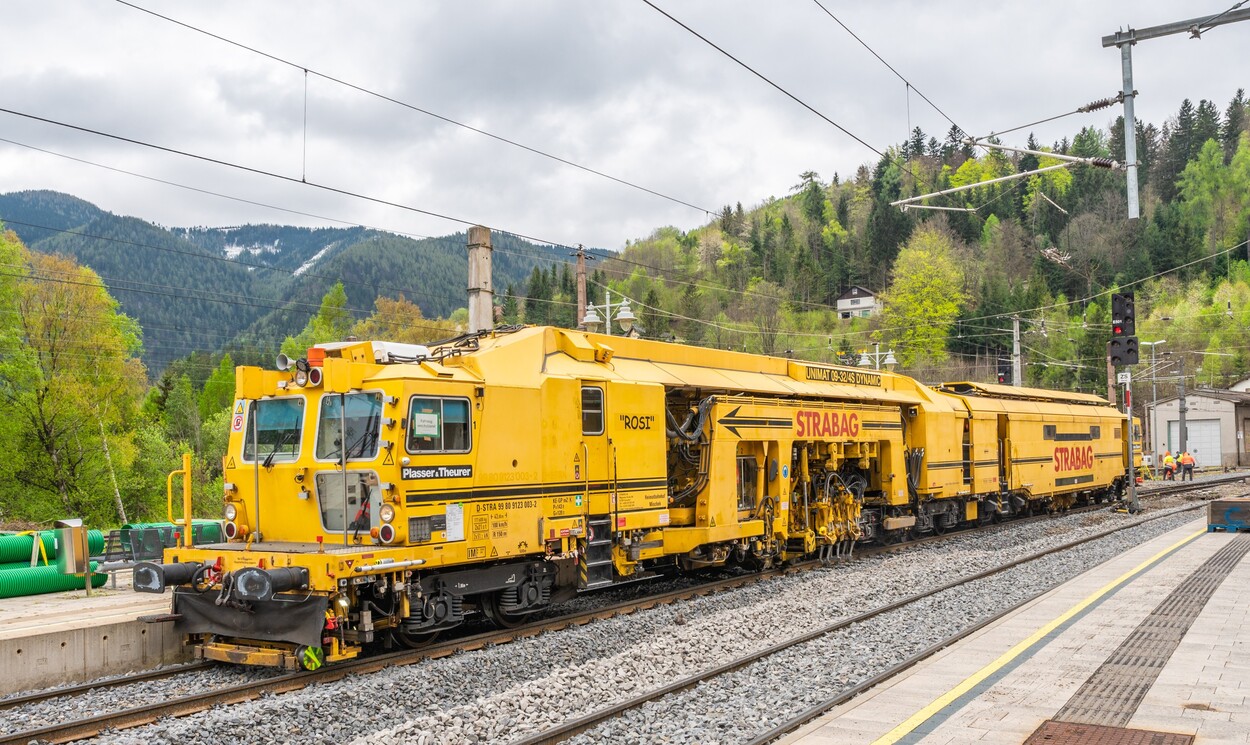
380	492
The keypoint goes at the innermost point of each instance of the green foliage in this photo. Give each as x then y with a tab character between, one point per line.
70	388
218	391
333	322
924	298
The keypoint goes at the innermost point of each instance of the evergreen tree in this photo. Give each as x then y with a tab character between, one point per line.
510	312
655	324
690	327
1206	126
1234	124
537	309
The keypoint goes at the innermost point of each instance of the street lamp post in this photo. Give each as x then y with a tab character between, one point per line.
875	359
624	316
1154	407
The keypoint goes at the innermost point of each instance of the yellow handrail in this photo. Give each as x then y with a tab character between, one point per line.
185	538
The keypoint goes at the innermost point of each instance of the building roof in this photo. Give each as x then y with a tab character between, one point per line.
1218	394
856	291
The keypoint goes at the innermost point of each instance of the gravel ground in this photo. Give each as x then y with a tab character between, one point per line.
504	692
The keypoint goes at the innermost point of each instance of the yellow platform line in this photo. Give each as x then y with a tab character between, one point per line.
920	717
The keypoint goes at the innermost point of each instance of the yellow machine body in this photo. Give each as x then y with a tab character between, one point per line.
393	490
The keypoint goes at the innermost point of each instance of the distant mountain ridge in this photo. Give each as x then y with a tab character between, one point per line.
249	286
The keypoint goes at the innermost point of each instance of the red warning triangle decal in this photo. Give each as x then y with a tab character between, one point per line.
349	563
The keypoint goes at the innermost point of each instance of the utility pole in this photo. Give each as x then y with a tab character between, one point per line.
1016	378
481	296
1183	409
1133	505
1110	377
580	253
1125	41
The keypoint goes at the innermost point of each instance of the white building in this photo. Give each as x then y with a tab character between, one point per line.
857	302
1217	423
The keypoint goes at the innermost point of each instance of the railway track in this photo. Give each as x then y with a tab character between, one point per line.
136	716
590	721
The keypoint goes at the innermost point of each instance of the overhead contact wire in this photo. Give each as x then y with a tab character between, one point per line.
910	85
418	109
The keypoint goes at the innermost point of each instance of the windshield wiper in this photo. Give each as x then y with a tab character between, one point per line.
286	439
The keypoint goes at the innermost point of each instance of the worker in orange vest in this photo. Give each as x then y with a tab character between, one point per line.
1187	466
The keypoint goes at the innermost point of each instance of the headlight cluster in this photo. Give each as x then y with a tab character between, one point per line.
387	532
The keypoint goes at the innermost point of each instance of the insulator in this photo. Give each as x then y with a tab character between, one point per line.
1103	163
1101	103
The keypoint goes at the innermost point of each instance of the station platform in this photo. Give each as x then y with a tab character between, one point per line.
67	637
1151	647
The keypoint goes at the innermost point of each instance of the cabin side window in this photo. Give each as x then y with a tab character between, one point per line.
439	425
592	411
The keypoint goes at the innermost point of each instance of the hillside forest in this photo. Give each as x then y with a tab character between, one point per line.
96	421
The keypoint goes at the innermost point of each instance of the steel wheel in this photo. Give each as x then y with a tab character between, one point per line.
414	640
501	618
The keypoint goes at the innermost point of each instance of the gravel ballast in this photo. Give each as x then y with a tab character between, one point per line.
505	692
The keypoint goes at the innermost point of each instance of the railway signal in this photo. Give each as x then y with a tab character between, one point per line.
1124	351
1123	317
1123	329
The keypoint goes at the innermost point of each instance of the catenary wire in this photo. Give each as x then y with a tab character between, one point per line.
661	273
308	70
910	85
270	174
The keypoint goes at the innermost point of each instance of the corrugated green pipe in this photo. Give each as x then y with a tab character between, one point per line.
24	565
21	582
17	547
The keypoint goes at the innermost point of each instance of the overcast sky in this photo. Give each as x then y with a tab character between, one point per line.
612	85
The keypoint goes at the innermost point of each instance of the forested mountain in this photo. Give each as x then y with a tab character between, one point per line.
249	287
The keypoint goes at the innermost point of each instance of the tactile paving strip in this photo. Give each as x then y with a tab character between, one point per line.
1112	694
1066	733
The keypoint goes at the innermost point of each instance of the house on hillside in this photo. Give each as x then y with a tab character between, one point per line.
1241	386
858	302
1217	425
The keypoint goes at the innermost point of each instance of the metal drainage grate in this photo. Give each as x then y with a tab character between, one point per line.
1068	733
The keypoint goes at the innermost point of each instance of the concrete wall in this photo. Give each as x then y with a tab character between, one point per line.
77	655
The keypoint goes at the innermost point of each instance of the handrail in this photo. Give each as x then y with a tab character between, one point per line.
185	538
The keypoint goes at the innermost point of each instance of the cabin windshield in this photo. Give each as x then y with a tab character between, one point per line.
274	427
361	415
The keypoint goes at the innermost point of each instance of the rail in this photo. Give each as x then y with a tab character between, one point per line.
136	716
592	720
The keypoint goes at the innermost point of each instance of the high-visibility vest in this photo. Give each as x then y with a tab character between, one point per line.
1187	459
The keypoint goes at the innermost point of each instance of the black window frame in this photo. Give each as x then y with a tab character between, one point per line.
377	438
278	457
603	414
442	421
